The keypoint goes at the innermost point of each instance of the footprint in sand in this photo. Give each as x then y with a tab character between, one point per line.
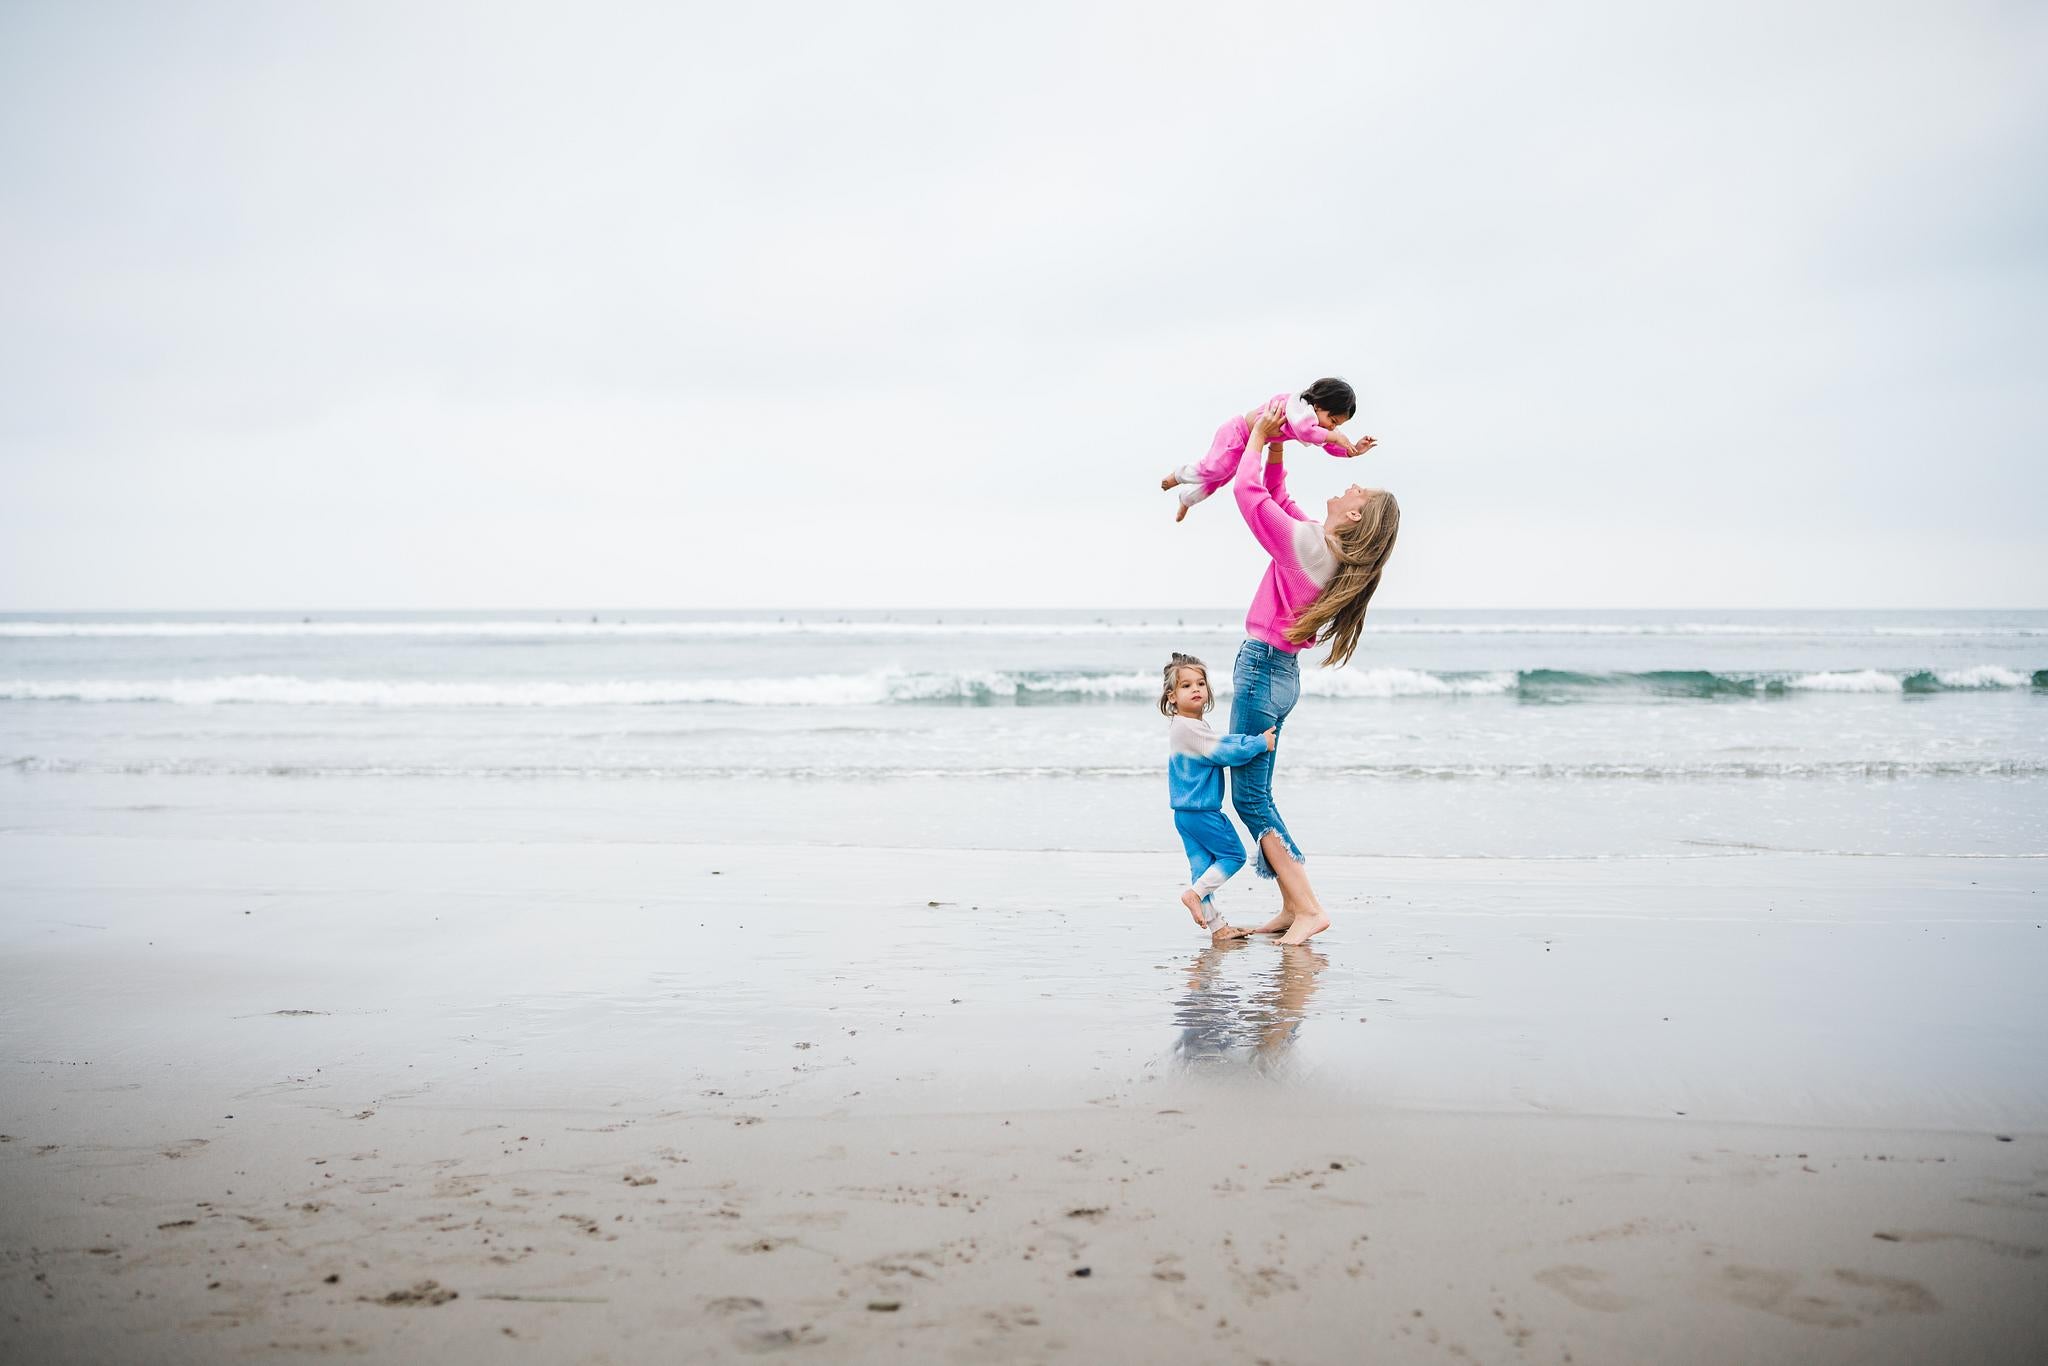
1895	1295
2019	1251
1585	1287
1755	1287
1634	1228
1776	1292
751	1332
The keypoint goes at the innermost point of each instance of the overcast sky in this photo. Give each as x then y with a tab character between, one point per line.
432	305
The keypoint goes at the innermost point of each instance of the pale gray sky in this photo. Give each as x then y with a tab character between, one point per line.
510	305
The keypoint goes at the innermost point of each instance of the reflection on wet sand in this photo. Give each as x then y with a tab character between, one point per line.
1231	1018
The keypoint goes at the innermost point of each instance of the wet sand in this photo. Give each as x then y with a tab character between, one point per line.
625	1102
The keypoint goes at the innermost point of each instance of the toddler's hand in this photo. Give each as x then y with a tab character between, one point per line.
1272	738
1363	444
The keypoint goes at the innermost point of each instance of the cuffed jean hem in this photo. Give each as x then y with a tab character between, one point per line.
1265	869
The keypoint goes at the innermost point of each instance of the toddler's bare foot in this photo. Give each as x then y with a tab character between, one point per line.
1171	481
1181	515
1306	927
1277	925
1192	899
1223	934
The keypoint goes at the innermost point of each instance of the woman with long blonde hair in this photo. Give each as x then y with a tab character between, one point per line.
1322	578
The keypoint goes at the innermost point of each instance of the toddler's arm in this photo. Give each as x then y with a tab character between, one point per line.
1233	751
1204	746
1309	434
1301	425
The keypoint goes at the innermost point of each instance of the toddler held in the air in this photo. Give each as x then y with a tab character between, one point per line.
1313	416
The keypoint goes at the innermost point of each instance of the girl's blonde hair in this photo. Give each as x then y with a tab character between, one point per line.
1172	673
1338	613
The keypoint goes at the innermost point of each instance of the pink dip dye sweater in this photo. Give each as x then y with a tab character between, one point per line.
1302	559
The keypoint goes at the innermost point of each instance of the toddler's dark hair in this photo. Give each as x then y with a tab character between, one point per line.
1172	676
1334	397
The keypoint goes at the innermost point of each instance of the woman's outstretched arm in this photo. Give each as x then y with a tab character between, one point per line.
1270	523
1276	481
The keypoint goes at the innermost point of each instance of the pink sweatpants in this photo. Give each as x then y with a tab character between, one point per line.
1218	467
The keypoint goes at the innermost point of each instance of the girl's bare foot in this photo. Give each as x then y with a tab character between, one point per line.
1182	514
1171	481
1224	933
1306	926
1192	899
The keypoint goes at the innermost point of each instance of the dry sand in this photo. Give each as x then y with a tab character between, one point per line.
1223	1234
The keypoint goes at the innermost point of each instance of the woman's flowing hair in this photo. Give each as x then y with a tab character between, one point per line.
1338	613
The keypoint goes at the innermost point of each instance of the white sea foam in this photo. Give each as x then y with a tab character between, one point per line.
881	687
1110	685
1983	676
1405	683
1859	680
1304	768
885	687
814	690
878	688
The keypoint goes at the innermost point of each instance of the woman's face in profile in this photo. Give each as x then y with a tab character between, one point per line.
1349	505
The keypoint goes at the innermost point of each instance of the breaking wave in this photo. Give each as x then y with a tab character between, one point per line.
998	687
1310	770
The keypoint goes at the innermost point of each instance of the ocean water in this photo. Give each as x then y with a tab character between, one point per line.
585	855
1522	734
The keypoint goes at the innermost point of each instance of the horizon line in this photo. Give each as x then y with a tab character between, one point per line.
310	612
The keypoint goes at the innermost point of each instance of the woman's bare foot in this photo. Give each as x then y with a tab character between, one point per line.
1192	899
1306	926
1301	915
1278	924
1171	481
1224	933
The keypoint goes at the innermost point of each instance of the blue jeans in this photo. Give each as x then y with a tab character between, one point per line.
1266	683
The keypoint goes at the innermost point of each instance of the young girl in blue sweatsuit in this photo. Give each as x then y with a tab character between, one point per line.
1196	758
